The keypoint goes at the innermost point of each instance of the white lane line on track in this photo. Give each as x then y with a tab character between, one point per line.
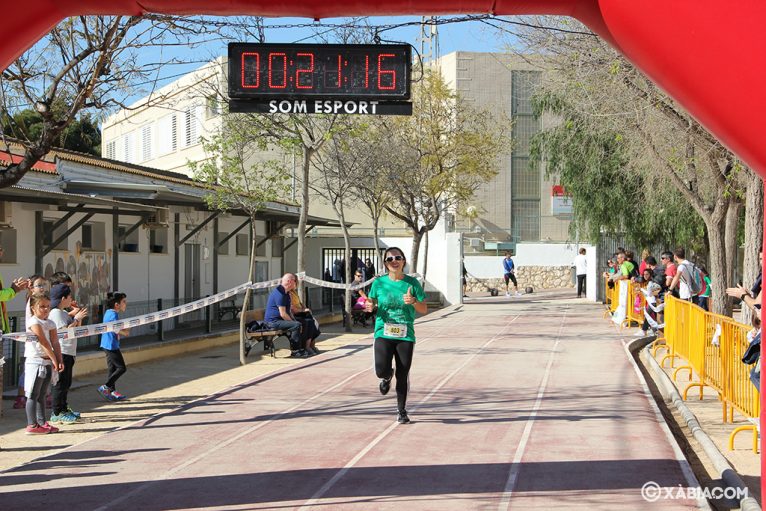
686	469
244	433
513	475
340	473
231	440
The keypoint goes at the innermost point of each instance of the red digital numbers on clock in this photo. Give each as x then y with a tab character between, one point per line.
386	72
306	81
254	59
272	82
330	71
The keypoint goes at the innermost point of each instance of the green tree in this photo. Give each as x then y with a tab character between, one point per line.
238	177
88	64
610	195
82	134
442	154
662	141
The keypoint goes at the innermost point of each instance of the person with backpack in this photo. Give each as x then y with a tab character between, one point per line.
688	278
704	296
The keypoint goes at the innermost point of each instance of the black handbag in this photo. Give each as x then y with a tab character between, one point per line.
753	351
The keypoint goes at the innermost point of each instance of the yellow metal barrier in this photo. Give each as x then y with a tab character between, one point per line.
612	297
632	315
713	345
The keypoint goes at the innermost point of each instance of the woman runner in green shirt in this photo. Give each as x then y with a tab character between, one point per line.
397	297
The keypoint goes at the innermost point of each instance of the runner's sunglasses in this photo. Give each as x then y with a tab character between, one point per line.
391	259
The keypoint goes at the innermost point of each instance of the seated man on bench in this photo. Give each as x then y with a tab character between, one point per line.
278	314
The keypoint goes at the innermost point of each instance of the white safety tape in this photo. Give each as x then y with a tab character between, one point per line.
338	285
120	324
153	317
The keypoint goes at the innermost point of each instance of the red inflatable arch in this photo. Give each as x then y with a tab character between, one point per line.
702	52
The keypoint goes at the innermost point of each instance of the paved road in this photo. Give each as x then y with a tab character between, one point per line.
517	403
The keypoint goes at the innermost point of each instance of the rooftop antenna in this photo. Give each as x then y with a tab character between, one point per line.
429	39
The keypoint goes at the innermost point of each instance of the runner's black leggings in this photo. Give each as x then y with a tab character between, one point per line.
386	350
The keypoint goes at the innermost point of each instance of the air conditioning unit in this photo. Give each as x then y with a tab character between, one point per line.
5	214
159	219
475	242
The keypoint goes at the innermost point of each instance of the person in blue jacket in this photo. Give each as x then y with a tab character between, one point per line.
509	274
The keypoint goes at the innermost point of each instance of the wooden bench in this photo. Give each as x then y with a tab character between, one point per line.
228	307
267	336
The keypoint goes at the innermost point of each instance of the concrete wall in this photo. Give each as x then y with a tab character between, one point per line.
551	255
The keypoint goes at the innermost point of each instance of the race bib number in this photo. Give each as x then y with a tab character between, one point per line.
394	330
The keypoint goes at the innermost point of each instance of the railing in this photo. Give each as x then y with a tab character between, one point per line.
712	347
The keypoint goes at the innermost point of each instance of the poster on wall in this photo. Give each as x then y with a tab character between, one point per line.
561	203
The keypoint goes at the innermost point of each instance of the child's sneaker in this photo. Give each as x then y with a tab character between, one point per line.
36	429
104	391
116	396
63	418
72	412
51	429
21	402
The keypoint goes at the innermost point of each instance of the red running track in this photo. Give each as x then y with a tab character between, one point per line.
528	403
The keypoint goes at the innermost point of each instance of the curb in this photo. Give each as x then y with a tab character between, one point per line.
669	392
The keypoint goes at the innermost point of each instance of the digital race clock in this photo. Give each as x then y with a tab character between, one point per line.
333	71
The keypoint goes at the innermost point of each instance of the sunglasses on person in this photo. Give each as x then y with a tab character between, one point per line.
391	259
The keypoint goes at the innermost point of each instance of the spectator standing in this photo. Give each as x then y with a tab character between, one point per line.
683	276
642	266
369	270
42	357
116	303
581	270
61	300
658	272
509	274
670	268
397	297
703	300
278	314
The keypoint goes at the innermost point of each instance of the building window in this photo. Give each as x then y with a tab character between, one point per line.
261	271
146	143
129	145
243	242
525	178
191	126
525	181
49	237
260	246
167	140
8	239
525	215
158	240
224	248
129	243
93	237
277	247
111	150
